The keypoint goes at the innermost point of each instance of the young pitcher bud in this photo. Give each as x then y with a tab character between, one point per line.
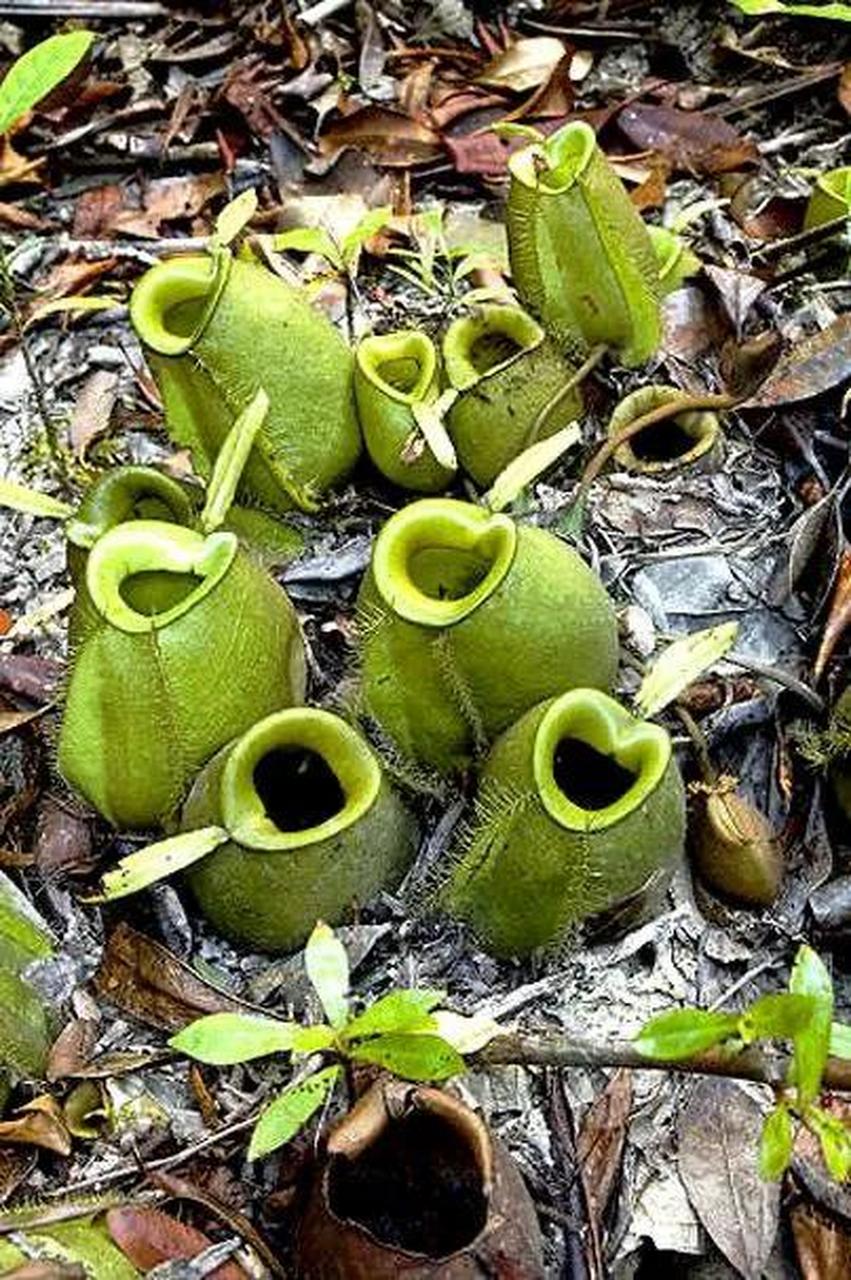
581	257
735	851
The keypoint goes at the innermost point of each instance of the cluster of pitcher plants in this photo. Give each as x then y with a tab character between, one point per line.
485	645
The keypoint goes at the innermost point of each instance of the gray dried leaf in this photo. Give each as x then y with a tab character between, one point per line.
719	1135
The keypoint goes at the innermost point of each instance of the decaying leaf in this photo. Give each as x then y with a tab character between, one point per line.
38	1124
601	1140
696	141
839	615
822	1244
151	983
92	409
149	1237
390	137
526	64
809	368
719	1136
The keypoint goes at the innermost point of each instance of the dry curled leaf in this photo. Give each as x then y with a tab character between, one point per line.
526	64
815	365
390	137
151	983
38	1124
92	409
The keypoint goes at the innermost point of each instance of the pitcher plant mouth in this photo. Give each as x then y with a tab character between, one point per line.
172	303
298	777
123	561
438	559
482	344
554	165
128	493
401	365
593	762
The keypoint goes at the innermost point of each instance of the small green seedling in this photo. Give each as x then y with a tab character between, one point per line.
402	1031
803	1015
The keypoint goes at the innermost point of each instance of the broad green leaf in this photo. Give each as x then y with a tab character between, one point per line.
231	460
413	1057
681	663
286	1114
681	1033
403	1010
809	977
528	466
835	1141
328	970
840	1040
76	302
156	861
19	498
775	1148
467	1035
222	1039
314	1039
782	1015
834	12
37	72
370	224
309	240
235	216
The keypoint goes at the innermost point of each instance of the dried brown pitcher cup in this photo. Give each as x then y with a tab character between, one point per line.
414	1185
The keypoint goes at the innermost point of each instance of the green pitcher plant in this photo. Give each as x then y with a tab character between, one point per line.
581	257
215	328
26	1029
397	385
830	198
153	694
293	820
513	388
466	619
580	806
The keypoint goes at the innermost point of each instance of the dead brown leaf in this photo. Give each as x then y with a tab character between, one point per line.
38	1124
169	200
12	215
63	840
823	1248
650	194
526	64
96	210
839	614
69	279
47	1271
390	138
10	720
15	168
844	91
149	1237
92	409
151	983
483	153
811	367
72	1049
696	141
601	1141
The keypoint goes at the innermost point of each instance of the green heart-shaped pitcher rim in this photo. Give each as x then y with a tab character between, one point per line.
343	750
644	749
556	163
146	546
440	524
166	285
514	322
402	344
